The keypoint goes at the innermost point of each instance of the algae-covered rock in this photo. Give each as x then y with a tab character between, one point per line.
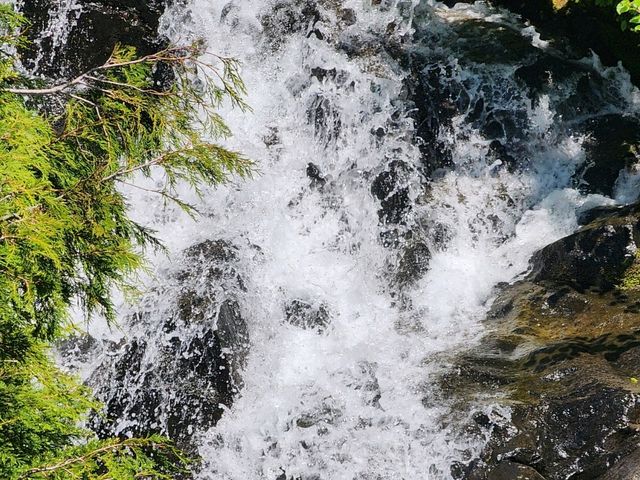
578	420
562	351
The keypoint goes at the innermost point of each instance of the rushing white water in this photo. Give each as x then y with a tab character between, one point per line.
361	400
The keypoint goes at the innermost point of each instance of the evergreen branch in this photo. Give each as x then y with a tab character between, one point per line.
151	163
81	243
111	447
166	55
46	91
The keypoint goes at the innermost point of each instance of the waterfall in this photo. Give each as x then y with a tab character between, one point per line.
398	242
53	34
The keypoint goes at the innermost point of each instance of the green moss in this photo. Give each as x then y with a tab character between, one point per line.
631	279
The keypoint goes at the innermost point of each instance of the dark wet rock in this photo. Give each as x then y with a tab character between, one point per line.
509	470
577	92
325	119
272	138
361	44
79	346
389	187
93	35
587	98
367	384
580	89
178	374
595	256
584	26
322	73
562	352
574	422
433	112
479	41
413	263
347	16
315	175
80	349
547	72
288	16
320	416
229	14
306	315
439	94
327	414
592	214
498	151
611	146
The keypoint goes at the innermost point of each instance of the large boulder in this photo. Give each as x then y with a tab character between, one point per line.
181	367
597	255
562	352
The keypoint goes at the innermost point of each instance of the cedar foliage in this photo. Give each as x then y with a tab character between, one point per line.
65	233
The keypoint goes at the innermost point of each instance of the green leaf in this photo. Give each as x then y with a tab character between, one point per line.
622	7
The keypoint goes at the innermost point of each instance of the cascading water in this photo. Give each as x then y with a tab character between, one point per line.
347	210
54	34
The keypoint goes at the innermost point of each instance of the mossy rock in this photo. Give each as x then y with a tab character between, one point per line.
562	351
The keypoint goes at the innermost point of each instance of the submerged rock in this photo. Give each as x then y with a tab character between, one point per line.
390	188
413	262
178	374
307	316
562	352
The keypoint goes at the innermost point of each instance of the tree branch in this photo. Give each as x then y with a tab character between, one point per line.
168	55
46	91
114	447
154	161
